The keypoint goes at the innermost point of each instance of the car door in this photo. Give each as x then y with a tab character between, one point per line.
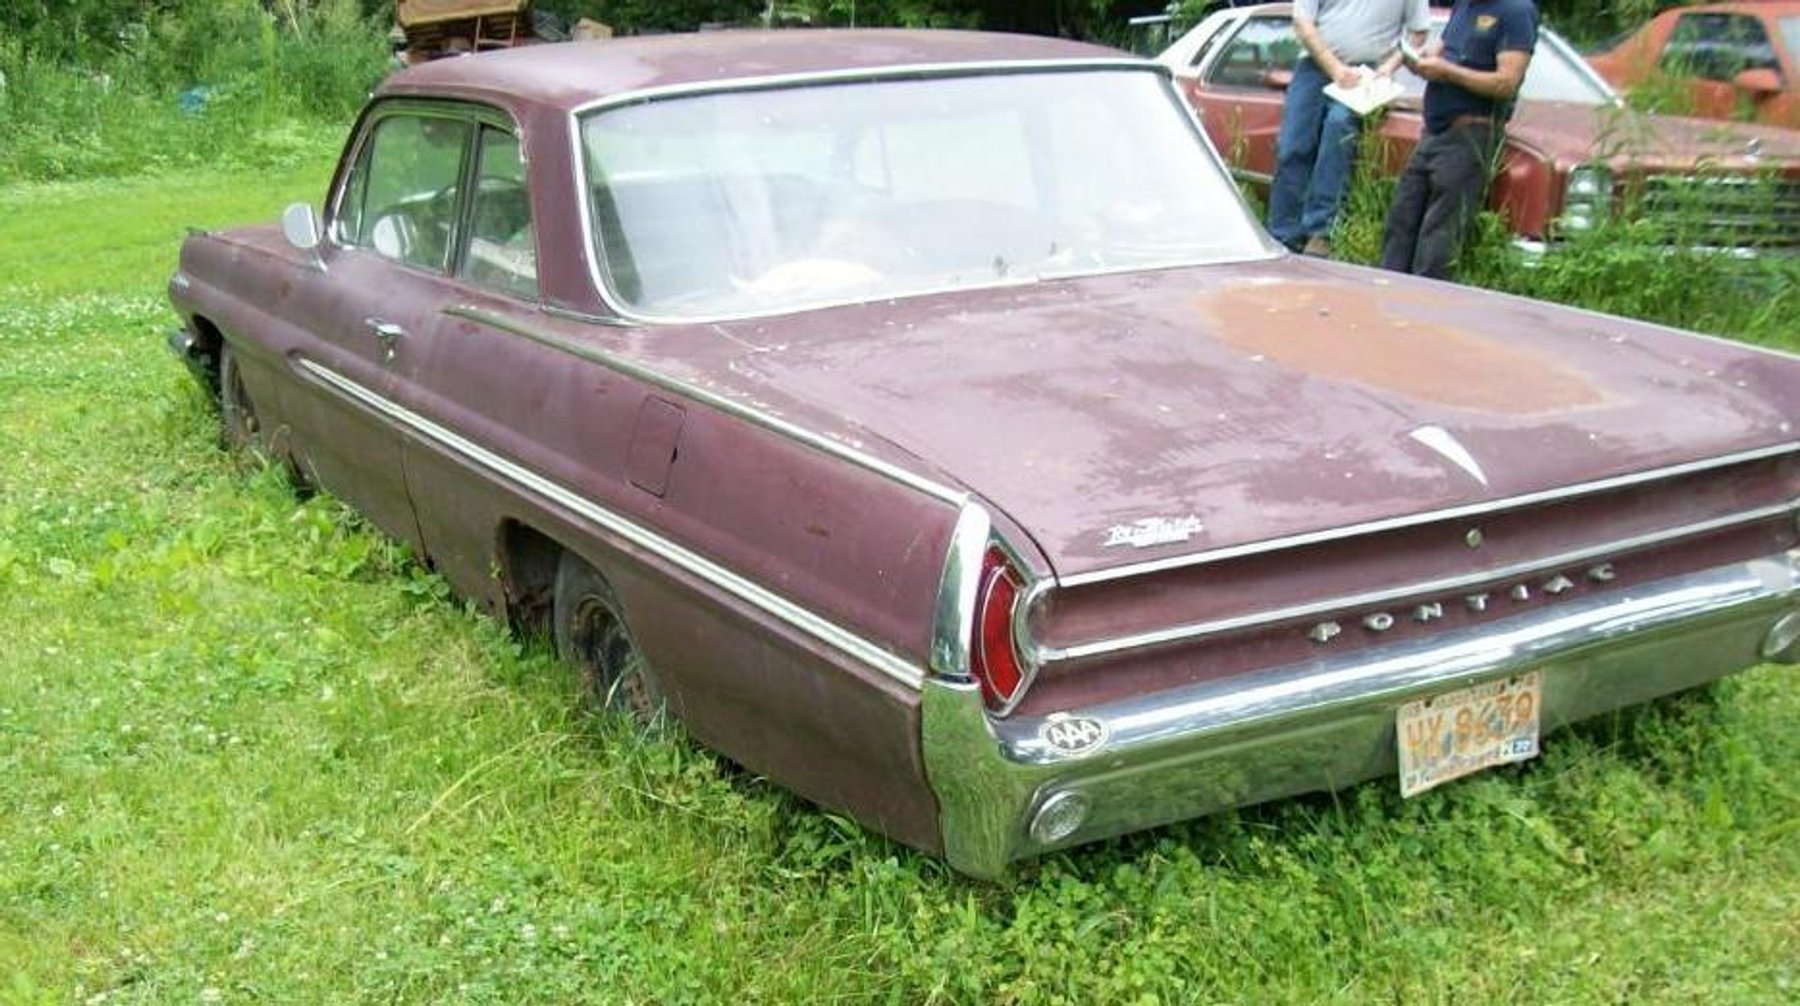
393	224
491	411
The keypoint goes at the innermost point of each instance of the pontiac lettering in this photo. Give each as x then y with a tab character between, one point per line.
1478	603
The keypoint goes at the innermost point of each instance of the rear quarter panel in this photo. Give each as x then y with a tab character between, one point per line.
853	548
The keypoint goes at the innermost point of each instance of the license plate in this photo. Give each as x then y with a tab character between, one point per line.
1449	736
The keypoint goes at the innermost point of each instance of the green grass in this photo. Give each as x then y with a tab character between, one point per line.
249	751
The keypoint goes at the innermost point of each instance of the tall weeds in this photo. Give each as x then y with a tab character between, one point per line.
220	81
1637	263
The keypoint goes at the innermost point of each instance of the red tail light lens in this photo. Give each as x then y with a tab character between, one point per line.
994	662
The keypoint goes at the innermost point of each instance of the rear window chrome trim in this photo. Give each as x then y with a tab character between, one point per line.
856	75
591	250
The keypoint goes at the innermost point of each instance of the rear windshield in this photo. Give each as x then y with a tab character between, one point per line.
749	202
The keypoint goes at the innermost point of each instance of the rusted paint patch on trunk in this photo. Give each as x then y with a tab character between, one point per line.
1347	333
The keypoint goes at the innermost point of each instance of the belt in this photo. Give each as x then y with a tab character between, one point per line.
1471	119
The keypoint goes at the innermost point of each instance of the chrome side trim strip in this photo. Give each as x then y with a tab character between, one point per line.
835	636
1425	517
1377	598
775	424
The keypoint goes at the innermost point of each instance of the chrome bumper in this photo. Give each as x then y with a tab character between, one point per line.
1329	723
1531	252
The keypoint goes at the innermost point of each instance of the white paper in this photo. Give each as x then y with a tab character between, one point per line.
1372	92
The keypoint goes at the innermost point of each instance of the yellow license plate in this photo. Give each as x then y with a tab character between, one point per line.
1449	736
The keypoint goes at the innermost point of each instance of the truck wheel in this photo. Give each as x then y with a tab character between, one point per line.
591	634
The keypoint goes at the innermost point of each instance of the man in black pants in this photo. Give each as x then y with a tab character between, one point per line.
1470	83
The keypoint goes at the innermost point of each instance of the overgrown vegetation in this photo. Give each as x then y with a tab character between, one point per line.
181	83
1651	266
250	751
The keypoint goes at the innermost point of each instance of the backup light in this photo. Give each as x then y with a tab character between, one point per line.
1060	816
1782	644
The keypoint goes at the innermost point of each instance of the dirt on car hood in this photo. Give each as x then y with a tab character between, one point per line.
1249	402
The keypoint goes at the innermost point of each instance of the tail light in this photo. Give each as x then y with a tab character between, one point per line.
994	660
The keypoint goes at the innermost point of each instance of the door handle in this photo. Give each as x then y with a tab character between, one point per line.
386	331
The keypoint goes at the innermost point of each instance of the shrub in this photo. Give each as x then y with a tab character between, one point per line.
187	83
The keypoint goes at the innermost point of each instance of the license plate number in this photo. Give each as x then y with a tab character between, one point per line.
1449	736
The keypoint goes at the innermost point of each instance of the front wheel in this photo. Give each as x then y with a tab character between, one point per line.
591	634
237	413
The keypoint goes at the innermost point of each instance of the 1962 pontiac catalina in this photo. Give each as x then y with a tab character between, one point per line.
922	420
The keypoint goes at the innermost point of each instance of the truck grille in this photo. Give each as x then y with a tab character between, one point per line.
1701	211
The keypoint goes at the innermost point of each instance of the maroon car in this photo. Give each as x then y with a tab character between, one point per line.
921	420
1574	153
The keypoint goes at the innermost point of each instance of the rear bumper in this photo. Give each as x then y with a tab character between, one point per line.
1328	723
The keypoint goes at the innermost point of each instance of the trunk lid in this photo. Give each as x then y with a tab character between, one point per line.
1134	418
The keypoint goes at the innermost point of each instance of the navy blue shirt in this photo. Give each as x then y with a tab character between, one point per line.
1478	32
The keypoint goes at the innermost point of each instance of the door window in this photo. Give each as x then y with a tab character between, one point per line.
1718	47
401	197
1263	46
502	247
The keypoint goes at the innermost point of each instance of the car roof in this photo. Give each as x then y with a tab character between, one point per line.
1775	6
568	75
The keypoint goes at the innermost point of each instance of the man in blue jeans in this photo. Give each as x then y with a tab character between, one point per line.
1316	148
1470	82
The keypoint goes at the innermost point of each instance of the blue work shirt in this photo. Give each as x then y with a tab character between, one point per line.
1478	32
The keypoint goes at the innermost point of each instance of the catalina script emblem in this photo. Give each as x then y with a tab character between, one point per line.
1074	735
1153	531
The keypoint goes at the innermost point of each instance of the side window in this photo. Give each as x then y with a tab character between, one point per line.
1206	45
1262	46
502	246
400	200
1718	46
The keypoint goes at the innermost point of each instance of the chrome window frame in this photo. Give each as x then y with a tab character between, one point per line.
931	71
476	115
